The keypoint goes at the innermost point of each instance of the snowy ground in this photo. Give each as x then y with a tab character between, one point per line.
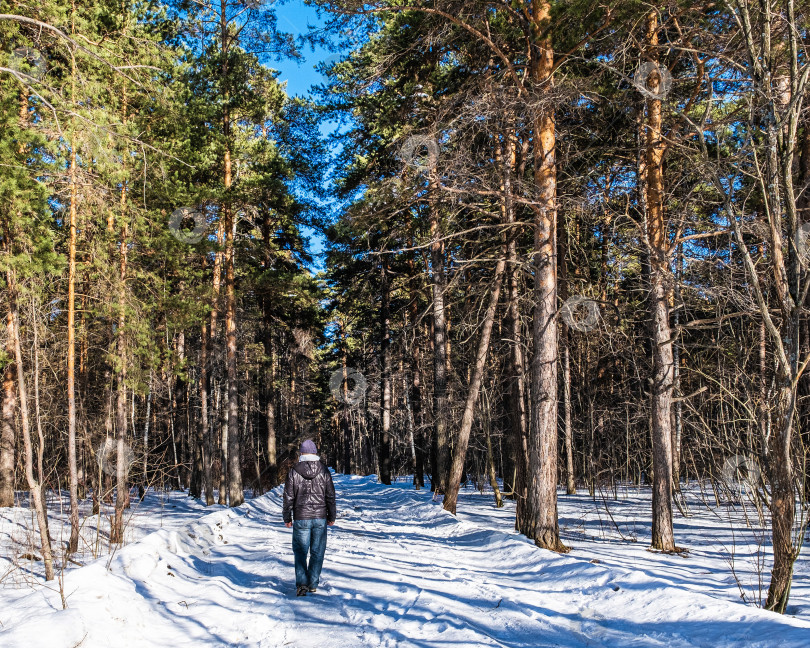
402	572
728	552
19	535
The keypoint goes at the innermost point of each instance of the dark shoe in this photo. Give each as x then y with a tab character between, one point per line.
302	590
313	589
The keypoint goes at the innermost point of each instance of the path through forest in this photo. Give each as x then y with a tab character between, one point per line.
400	571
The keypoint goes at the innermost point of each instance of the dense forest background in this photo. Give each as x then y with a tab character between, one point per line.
566	244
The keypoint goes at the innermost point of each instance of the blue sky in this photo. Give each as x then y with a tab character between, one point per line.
296	18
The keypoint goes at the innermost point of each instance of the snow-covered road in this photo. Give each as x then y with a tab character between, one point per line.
399	572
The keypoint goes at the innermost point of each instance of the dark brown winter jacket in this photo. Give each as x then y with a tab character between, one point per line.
309	493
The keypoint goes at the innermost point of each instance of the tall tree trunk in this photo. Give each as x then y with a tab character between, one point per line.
122	489
198	470
516	383
803	400
474	389
349	448
73	471
179	410
493	480
222	417
410	421
236	494
204	432
146	432
419	419
7	425
34	486
788	274
440	402
516	390
565	340
539	519
270	360
270	405
783	502
414	390
677	417
663	537
207	345
385	391
570	483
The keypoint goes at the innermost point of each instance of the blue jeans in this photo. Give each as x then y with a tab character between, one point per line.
309	537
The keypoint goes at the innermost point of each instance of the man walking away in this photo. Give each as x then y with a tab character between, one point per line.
309	498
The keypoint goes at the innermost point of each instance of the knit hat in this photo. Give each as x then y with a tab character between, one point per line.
308	447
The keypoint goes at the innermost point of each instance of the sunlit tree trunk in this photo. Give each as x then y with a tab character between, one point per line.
235	492
539	519
73	471
659	281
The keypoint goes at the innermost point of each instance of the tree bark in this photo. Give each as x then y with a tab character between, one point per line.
415	405
516	382
539	519
270	406
270	362
571	486
146	432
493	479
440	404
122	489
565	340
222	417
73	471
474	389
385	391
783	502
34	486
235	492
663	536
7	425
208	337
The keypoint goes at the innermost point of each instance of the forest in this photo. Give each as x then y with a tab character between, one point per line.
538	247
